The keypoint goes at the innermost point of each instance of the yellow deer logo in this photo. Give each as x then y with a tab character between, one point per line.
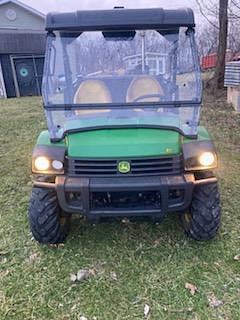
124	167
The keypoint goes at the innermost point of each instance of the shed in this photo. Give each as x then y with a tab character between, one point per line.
22	49
232	82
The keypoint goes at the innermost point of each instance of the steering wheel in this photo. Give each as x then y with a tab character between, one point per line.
148	96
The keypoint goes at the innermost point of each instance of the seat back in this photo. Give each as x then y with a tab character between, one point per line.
92	91
144	85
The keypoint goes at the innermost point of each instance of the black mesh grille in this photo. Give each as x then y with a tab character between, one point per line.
139	167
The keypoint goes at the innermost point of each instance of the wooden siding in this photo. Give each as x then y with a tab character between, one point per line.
25	19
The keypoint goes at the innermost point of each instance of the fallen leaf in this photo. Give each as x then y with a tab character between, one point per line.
2	297
73	277
136	301
146	310
157	242
214	302
32	258
4	273
74	307
98	269
190	309
126	221
53	245
113	276
3	253
164	308
56	245
237	257
92	272
82	275
193	289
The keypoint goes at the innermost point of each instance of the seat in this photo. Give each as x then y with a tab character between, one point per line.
144	85
90	92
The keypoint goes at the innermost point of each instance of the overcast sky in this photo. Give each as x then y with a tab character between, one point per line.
68	5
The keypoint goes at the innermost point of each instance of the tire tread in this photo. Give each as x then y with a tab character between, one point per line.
205	213
44	213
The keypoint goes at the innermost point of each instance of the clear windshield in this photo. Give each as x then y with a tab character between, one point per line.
135	78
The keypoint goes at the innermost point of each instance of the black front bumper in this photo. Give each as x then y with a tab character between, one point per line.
166	187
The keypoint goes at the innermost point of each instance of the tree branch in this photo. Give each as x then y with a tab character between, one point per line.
204	15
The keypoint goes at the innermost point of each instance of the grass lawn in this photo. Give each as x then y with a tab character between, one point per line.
134	264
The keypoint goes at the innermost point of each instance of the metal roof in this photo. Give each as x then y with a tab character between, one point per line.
120	19
20	42
23	5
232	74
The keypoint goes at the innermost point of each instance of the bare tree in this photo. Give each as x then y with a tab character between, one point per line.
218	79
209	11
223	18
207	38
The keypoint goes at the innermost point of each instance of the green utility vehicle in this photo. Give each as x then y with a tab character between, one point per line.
122	95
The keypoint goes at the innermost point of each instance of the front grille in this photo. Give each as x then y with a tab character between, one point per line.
139	167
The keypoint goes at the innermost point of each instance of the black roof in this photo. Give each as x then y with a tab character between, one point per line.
120	19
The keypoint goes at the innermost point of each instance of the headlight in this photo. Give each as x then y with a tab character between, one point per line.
199	155
48	160
58	165
45	165
42	163
207	159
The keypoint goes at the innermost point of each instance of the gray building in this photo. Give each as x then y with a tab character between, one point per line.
22	48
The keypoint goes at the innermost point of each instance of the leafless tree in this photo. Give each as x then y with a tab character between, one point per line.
223	18
218	79
207	38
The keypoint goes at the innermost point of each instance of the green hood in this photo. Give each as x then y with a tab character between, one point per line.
115	143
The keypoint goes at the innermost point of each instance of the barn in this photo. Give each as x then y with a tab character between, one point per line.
22	48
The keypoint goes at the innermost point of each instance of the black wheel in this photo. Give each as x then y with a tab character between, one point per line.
204	217
49	225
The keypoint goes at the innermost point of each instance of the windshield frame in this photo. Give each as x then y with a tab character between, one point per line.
193	105
129	126
144	105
